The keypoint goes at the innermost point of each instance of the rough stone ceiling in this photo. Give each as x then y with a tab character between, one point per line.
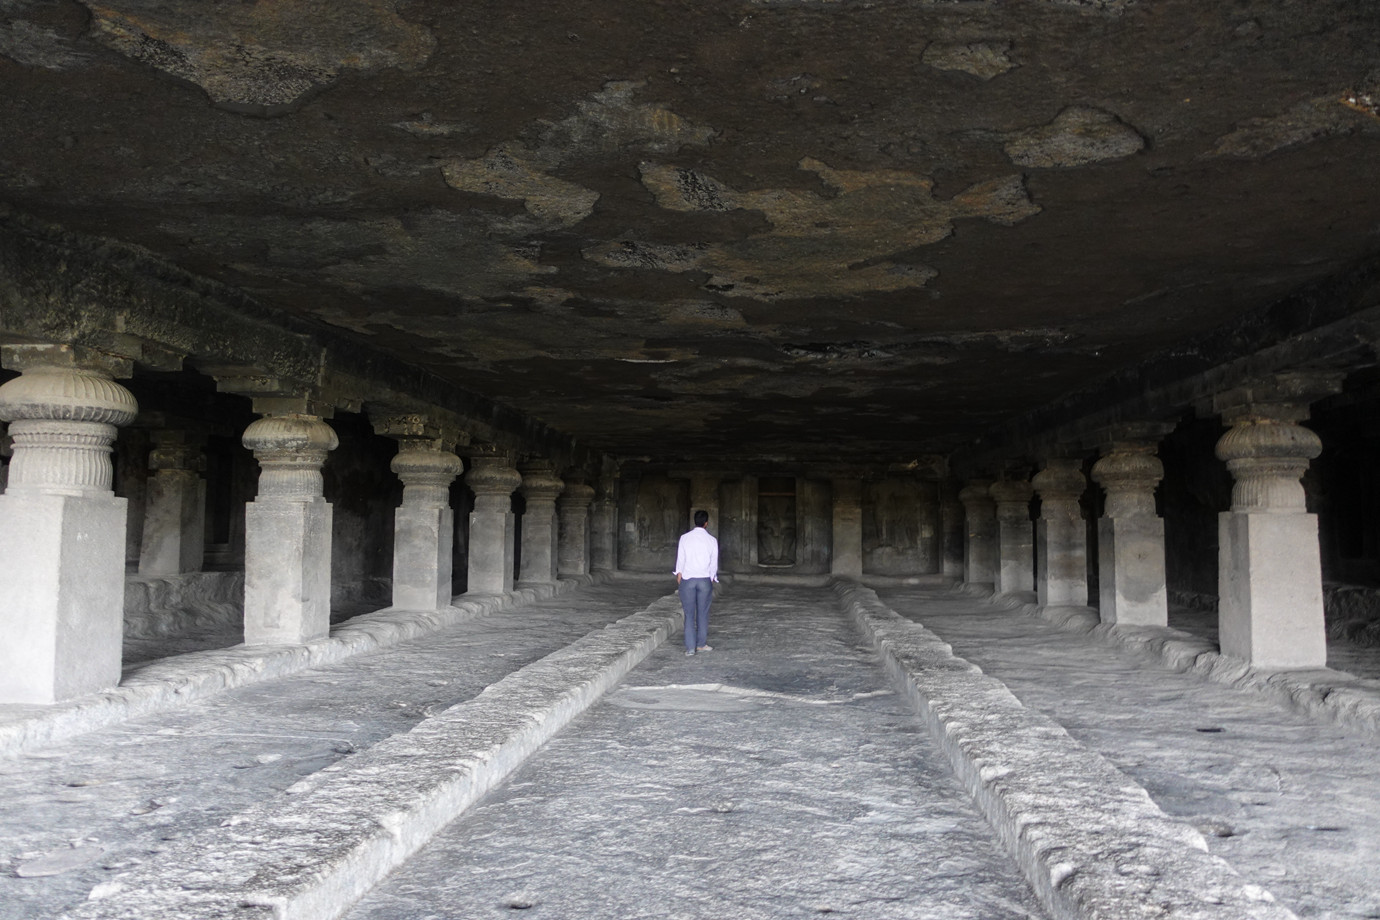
810	227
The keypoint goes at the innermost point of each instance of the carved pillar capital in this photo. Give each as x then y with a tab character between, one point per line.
291	450
1268	459
1129	472
576	496
492	479
975	494
426	471
1012	497
63	421
540	485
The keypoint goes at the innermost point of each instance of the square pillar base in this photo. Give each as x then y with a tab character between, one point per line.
490	552
422	539
1131	580
62	574
287	572
174	540
1061	563
1015	559
1270	605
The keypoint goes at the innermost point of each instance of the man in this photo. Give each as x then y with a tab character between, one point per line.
697	568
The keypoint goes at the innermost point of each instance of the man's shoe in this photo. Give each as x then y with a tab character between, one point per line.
705	648
689	652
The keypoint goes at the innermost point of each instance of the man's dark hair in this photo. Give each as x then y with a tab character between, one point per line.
701	518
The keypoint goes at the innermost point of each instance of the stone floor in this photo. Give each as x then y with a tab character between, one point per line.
778	775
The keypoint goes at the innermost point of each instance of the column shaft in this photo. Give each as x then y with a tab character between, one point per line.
62	536
492	479
847	559
1061	537
1015	569
573	544
1270	606
423	525
953	531
287	557
980	542
603	523
174	538
1130	538
540	529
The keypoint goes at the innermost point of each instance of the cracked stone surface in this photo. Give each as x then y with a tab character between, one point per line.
778	775
75	812
1292	803
769	216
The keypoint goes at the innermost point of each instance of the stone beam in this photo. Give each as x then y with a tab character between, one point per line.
1330	325
60	287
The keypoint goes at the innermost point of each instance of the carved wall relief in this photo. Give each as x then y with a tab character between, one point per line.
900	527
652	514
776	524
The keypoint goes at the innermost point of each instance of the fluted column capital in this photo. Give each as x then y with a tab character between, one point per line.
1129	472
291	450
540	484
426	471
1268	457
1012	497
1061	479
492	479
976	493
576	495
63	421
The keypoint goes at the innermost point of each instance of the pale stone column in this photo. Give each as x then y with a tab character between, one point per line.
573	516
1130	537
704	496
540	530
174	539
1015	569
492	479
1270	608
62	530
980	538
1061	536
847	554
953	532
287	555
603	523
424	524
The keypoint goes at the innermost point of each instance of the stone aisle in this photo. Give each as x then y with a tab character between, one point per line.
75	812
777	776
1290	802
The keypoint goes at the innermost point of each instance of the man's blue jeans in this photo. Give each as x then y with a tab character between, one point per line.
695	597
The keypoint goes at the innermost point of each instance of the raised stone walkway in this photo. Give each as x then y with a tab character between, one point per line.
779	775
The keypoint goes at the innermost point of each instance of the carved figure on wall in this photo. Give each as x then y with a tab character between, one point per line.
776	530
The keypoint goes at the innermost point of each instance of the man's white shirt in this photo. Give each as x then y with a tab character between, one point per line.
697	556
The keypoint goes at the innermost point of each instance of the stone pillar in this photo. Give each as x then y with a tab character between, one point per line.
174	539
847	554
1061	536
492	479
980	537
540	529
62	530
424	524
1015	569
1270	609
1130	537
953	533
287	556
603	523
704	496
573	520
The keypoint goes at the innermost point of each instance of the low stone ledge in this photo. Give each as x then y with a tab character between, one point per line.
1088	838
1348	701
312	851
157	606
170	682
